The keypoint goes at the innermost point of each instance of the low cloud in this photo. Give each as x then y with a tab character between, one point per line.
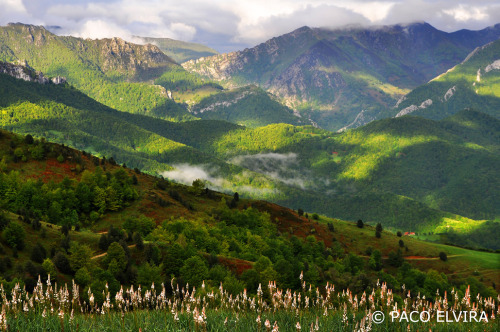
186	174
281	167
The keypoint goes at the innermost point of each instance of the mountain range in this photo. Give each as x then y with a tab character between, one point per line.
125	101
344	78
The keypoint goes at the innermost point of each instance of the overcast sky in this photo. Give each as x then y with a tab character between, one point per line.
229	25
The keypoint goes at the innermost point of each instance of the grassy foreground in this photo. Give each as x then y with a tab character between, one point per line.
50	308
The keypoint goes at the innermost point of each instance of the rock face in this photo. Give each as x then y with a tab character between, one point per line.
110	56
345	71
24	72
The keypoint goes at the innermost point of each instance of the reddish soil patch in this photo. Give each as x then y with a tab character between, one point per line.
236	265
288	220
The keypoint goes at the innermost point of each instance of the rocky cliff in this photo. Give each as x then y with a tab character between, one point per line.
24	72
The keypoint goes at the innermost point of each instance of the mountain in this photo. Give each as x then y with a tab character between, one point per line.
77	217
391	171
178	50
112	71
474	83
344	77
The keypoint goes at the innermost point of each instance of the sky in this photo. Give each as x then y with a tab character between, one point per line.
229	25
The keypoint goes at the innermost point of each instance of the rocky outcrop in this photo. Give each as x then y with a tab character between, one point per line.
492	66
118	54
413	108
24	72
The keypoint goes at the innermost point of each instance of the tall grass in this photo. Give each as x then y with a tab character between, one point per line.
171	308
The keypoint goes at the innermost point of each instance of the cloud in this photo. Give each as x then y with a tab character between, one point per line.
281	167
186	174
232	24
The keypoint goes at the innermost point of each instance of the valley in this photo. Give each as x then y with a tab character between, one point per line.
362	159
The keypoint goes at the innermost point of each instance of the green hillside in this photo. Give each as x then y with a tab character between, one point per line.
474	83
391	171
180	51
112	71
400	171
78	217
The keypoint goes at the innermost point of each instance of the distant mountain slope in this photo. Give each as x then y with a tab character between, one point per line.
178	50
474	83
248	106
337	74
112	71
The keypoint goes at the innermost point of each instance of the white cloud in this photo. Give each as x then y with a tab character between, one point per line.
230	24
98	29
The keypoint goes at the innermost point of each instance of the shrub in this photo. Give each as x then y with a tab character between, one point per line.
4	221
396	258
360	223
443	256
399	234
49	268
14	235
38	253
61	261
401	243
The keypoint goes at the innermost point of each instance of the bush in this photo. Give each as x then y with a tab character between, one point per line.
61	261
315	216
378	234
14	235
396	258
399	234
4	221
138	241
360	223
194	271
443	256
401	243
49	268
38	253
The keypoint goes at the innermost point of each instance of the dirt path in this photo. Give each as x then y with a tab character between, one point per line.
104	254
422	258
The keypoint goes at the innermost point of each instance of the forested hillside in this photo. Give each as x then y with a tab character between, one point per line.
71	215
391	171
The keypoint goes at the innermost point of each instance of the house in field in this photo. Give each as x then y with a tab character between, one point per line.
409	234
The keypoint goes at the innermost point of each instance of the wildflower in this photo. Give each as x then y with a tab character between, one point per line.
275	327
297	326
